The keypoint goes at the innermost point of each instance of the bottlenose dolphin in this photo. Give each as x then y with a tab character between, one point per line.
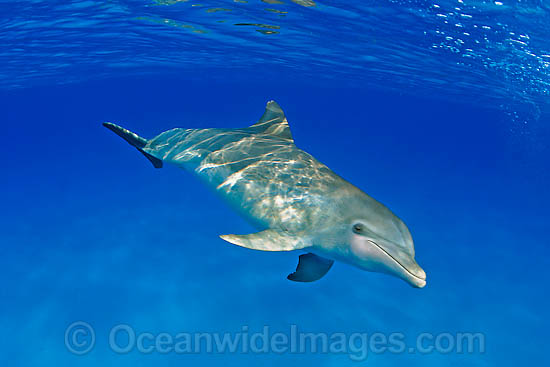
297	202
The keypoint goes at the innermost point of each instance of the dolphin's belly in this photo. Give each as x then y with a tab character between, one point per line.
266	178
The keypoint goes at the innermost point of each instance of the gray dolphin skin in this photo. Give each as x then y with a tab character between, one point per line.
295	201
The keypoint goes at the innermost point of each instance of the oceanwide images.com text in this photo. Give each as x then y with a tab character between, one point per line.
80	339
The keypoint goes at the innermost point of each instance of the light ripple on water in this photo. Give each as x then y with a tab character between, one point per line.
479	51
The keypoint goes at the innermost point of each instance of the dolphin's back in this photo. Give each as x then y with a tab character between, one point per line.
258	169
267	177
189	147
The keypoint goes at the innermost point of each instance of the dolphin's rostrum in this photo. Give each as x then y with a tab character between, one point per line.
297	202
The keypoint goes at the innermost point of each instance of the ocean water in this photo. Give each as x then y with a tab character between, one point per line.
438	109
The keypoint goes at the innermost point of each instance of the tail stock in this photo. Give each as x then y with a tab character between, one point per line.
134	140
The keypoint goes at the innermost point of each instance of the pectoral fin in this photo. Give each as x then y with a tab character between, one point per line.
268	240
310	268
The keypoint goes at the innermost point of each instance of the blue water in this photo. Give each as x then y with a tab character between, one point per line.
437	109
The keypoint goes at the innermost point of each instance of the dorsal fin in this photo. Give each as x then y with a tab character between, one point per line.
273	122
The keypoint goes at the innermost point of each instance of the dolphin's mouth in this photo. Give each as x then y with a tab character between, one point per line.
417	280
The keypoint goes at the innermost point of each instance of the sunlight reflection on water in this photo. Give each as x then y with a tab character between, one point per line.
480	52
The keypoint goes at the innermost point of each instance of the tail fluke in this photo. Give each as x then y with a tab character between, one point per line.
134	140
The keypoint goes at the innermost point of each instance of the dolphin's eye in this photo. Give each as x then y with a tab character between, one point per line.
358	228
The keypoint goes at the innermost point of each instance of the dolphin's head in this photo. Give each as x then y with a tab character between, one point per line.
390	250
372	238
